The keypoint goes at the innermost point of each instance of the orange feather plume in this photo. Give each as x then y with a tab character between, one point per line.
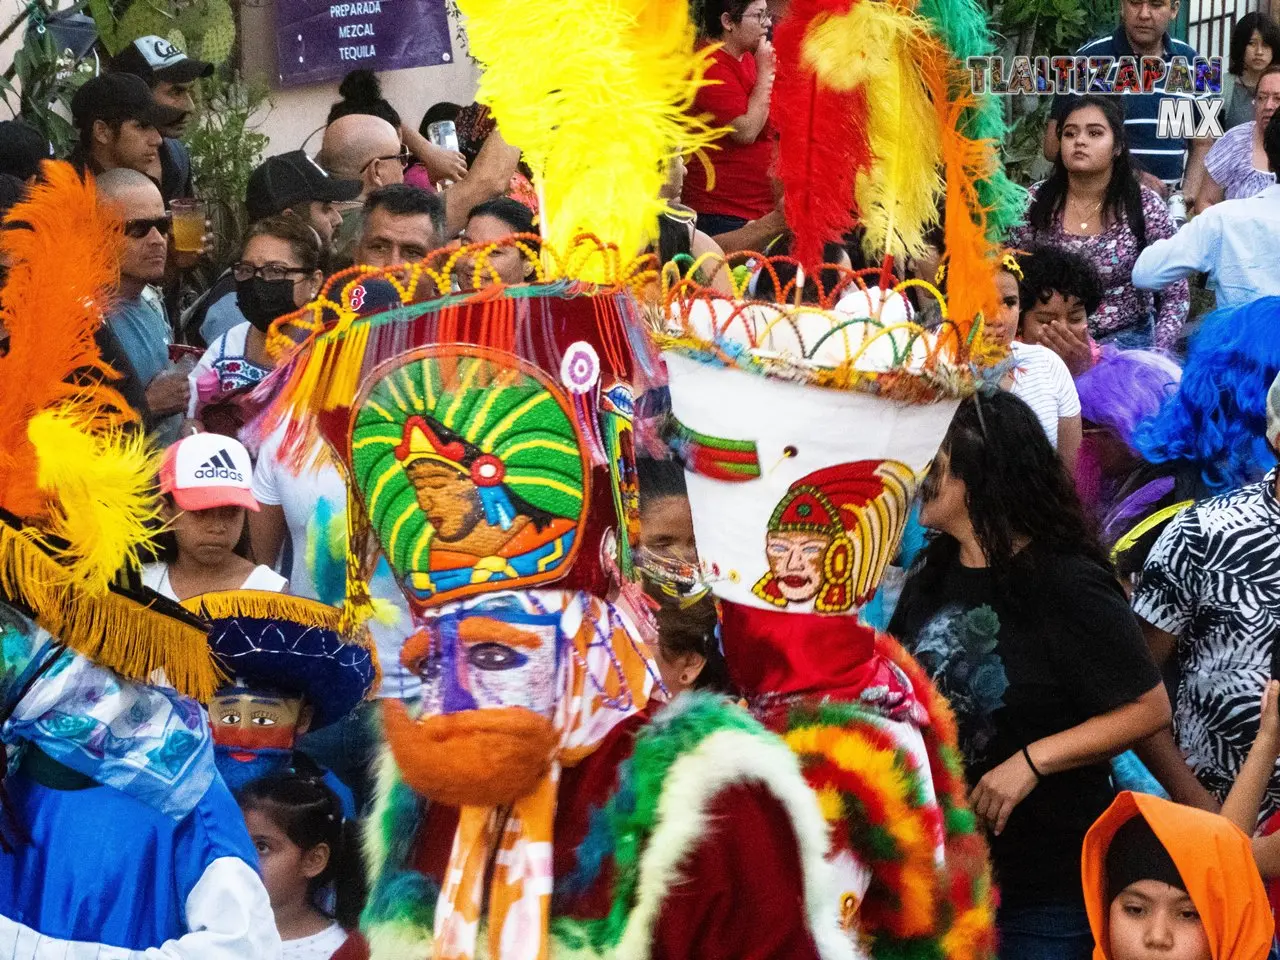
63	254
971	257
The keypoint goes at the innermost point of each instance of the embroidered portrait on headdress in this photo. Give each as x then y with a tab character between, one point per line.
833	533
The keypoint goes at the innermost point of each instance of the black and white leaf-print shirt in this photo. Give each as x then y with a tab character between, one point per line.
1213	581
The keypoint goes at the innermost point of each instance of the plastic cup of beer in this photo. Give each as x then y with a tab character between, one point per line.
188	225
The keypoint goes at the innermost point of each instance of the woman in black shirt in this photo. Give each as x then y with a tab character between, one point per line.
1016	613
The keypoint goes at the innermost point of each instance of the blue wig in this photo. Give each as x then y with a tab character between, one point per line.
1217	420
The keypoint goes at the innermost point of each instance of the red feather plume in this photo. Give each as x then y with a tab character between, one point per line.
823	143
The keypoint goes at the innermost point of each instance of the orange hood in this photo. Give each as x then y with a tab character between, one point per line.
1215	861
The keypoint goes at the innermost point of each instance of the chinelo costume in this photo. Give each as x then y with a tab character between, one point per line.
290	667
117	838
529	805
531	808
807	425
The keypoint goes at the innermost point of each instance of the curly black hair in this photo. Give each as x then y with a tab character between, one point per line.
1048	269
1016	489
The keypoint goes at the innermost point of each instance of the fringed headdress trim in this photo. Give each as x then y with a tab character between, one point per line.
134	635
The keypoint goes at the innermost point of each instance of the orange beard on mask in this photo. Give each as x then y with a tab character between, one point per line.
478	758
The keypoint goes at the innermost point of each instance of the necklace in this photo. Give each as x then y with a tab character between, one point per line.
1084	223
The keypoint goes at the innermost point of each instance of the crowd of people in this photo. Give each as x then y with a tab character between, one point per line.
1089	574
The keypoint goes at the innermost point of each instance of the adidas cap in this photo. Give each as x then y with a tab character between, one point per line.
208	470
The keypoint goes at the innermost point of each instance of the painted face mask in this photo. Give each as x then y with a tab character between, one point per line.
253	733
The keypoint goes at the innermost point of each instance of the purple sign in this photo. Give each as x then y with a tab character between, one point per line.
324	41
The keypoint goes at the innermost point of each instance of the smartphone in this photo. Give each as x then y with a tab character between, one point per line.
444	134
1275	655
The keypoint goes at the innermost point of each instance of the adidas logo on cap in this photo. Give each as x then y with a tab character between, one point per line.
219	467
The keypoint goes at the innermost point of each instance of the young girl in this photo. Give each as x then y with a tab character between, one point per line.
205	479
688	649
1058	292
1162	880
1038	377
304	849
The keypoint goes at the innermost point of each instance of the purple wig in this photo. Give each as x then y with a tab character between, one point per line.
1126	387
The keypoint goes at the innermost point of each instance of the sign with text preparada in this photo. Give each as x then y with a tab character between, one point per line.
324	41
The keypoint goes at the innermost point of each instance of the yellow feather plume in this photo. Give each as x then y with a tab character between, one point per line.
596	94
877	46
100	483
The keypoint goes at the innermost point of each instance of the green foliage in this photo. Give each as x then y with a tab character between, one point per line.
205	29
47	78
225	147
1041	28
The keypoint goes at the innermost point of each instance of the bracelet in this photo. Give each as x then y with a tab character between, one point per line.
1026	754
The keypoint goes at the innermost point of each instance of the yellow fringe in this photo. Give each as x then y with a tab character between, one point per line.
264	605
110	629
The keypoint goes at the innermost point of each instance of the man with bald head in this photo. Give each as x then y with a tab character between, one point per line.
362	147
137	321
365	148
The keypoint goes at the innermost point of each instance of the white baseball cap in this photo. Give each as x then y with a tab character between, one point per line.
207	470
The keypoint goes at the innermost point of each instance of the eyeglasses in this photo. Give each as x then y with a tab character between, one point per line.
764	18
404	156
137	229
270	272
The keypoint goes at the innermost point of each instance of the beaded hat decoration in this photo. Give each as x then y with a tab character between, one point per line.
487	435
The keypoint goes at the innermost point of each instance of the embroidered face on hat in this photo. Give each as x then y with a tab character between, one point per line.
833	533
805	433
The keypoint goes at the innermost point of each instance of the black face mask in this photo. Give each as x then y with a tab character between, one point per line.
262	301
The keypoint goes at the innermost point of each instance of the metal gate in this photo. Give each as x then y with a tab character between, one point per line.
1210	21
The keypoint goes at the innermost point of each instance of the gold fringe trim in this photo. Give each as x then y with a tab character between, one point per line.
117	632
264	605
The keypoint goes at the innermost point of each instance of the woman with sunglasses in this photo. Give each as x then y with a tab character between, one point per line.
278	272
737	97
1017	615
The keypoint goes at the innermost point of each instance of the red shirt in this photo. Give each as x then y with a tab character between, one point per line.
743	187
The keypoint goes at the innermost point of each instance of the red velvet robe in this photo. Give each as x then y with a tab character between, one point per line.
742	895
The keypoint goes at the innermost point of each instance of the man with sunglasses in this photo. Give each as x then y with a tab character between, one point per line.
138	318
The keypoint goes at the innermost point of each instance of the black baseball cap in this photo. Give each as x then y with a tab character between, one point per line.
114	97
288	178
154	58
21	149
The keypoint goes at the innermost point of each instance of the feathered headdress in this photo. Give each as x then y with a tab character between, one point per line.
962	26
881	67
77	497
597	96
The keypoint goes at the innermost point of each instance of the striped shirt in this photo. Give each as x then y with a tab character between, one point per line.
1041	380
1162	157
1230	164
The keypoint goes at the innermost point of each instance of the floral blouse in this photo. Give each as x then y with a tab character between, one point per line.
1113	254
